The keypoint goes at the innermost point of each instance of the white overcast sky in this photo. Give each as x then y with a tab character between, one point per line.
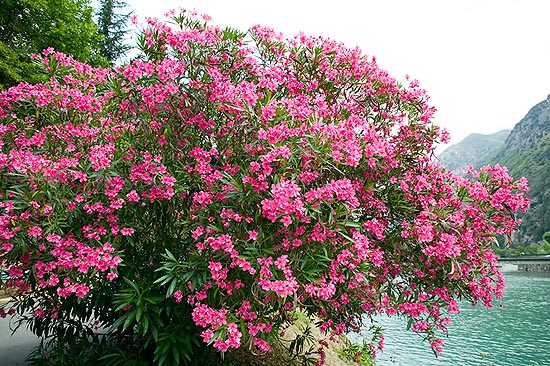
484	63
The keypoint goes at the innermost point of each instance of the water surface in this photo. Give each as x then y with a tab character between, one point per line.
515	332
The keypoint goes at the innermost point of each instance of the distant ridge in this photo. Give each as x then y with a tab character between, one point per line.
474	150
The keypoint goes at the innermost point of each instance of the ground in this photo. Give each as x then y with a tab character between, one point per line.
278	356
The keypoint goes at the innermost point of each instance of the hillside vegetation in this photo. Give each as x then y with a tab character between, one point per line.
526	152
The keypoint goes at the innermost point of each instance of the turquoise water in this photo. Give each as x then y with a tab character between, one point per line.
517	333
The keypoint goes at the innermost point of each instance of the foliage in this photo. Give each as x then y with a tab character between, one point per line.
542	247
360	354
190	202
29	26
113	28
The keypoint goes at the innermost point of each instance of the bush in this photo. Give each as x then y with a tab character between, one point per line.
189	202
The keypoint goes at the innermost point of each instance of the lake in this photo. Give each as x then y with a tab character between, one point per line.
515	332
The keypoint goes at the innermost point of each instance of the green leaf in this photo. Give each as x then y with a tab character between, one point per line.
164	279
139	313
350	224
118	323
170	255
129	319
172	287
176	353
131	284
145	325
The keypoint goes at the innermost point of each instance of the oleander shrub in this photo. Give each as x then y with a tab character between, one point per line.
189	202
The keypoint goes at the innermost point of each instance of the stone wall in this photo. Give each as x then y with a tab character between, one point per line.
4	293
534	267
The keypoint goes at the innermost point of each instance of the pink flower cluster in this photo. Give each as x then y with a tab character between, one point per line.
217	320
286	202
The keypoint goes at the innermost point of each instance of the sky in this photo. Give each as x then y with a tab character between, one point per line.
484	63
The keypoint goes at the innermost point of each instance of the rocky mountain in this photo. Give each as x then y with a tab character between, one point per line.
476	149
529	132
526	152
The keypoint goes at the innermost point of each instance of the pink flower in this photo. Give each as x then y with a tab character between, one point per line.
261	344
376	257
7	247
217	271
53	281
281	262
52	238
168	180
437	345
101	155
203	197
35	232
195	234
132	196
39	313
207	335
252	235
178	296
420	326
127	231
82	290
15	272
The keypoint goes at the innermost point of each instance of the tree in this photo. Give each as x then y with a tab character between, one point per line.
29	26
194	200
113	28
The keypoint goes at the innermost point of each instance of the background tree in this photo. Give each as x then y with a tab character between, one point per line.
113	29
29	26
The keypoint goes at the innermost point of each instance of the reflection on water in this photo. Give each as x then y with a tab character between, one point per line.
515	332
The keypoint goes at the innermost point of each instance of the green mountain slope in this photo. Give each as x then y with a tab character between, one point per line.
474	150
526	152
